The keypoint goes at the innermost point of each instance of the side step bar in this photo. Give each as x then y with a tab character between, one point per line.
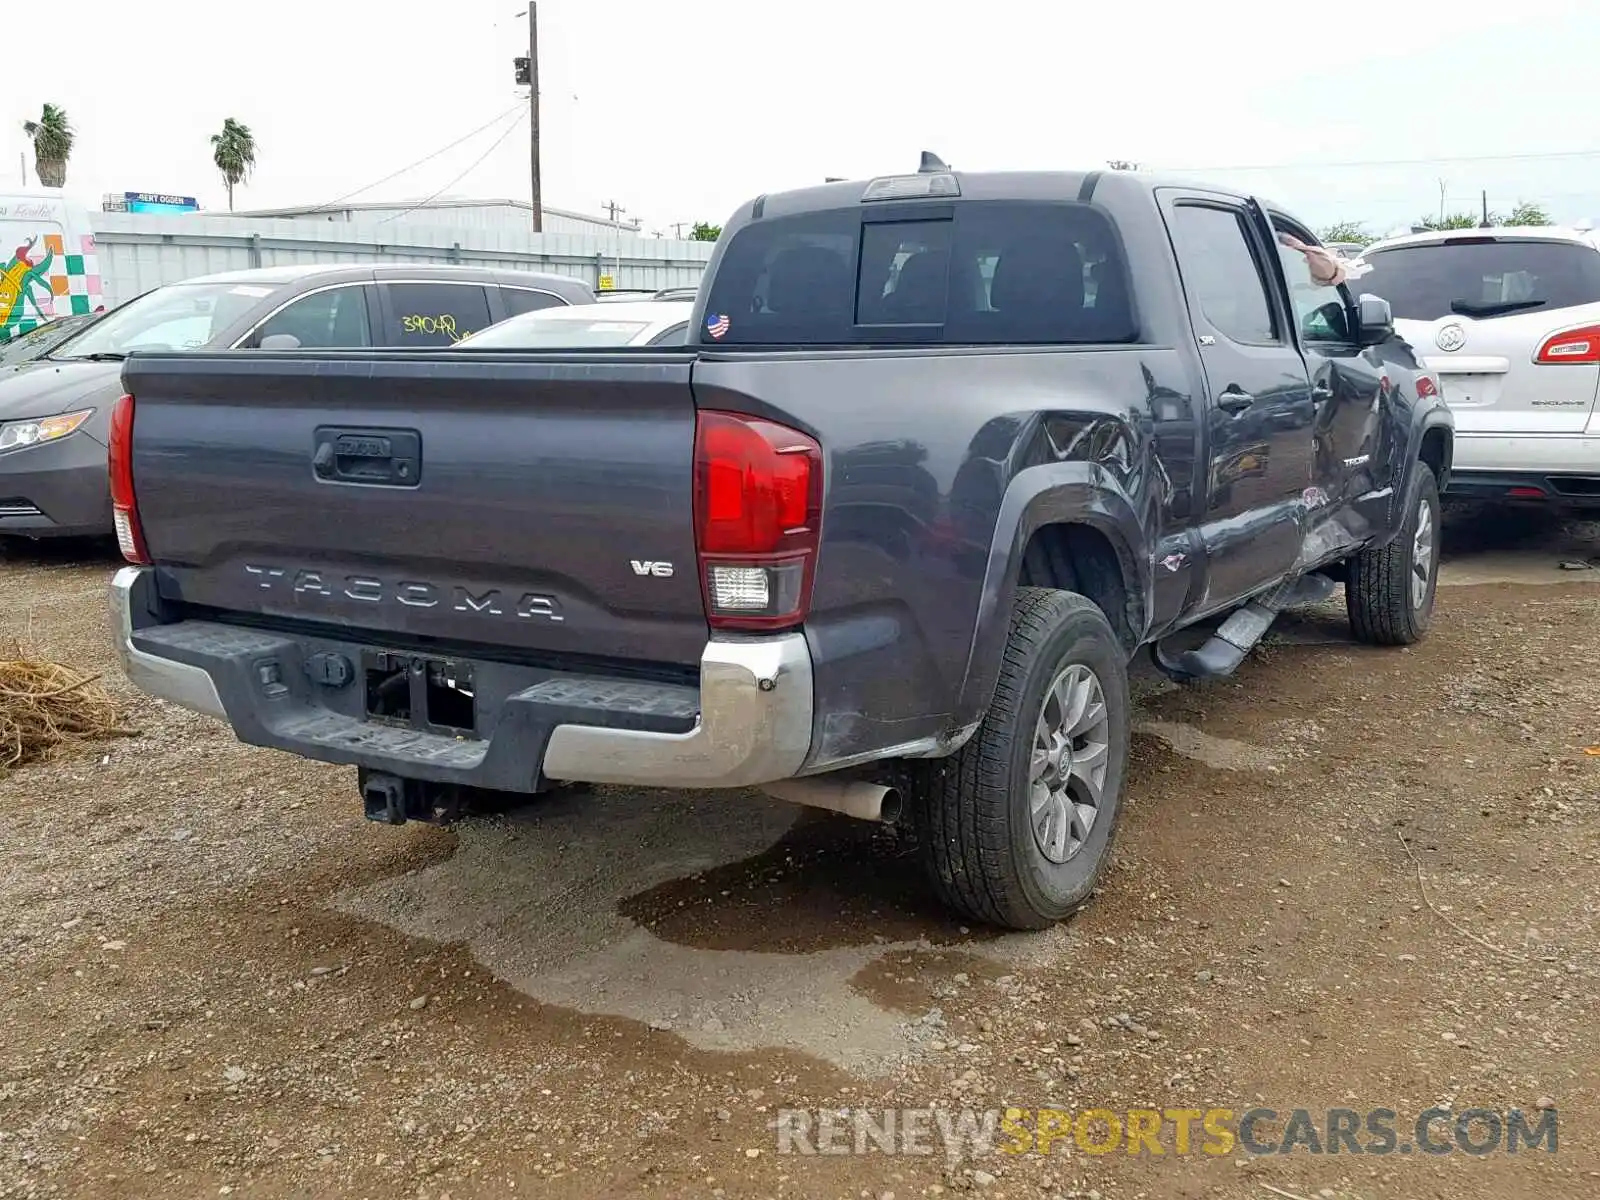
1237	636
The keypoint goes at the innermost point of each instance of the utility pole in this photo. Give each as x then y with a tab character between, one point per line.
612	209
527	75
677	229
1441	201
533	114
1485	224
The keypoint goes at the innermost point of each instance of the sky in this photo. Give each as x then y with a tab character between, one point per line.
680	112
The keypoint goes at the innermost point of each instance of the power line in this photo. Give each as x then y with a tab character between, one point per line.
466	137
1396	162
476	163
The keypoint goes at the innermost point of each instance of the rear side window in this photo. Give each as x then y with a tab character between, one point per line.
525	300
435	314
975	273
1221	273
329	319
1482	277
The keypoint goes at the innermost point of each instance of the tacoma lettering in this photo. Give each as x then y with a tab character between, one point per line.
488	602
311	581
413	593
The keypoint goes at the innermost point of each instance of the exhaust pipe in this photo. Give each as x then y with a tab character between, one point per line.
852	797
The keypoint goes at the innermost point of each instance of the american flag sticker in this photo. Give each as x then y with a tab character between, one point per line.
717	324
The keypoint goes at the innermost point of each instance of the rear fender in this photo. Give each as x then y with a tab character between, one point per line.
1437	418
1074	493
1386	510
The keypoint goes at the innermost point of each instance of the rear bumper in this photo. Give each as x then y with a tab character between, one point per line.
1560	454
1533	487
1554	468
748	722
57	489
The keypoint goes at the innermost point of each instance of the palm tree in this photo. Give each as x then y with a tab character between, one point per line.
52	139
234	152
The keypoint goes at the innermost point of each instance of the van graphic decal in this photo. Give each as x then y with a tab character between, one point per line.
21	281
37	283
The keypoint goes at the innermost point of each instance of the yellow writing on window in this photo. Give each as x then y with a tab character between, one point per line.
443	323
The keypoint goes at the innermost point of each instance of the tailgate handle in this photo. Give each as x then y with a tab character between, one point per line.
374	457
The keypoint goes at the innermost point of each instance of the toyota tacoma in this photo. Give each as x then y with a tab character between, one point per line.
943	452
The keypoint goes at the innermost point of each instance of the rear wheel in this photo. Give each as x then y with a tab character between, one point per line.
1389	591
1015	828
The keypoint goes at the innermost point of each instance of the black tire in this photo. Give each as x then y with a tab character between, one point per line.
973	811
1378	591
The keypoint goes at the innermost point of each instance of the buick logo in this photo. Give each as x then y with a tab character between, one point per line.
1451	337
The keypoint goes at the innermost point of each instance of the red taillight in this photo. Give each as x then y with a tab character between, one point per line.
757	510
1571	346
1525	493
124	511
1426	387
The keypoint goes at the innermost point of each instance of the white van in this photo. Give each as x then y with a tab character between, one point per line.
48	266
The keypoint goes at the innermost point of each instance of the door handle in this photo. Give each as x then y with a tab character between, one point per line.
381	457
1234	401
1320	393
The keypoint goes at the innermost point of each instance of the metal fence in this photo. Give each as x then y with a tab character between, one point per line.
139	251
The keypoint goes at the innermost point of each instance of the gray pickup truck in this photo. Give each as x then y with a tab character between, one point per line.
944	451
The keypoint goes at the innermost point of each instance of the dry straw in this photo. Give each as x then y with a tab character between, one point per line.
45	706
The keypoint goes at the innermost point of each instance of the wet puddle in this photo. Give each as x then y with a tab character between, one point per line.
731	920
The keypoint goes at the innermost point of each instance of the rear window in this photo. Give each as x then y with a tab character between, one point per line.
1481	277
976	272
525	300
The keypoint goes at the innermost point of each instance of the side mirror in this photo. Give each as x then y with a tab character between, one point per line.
1374	320
280	341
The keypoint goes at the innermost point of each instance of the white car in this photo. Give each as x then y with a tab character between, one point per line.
587	326
1508	319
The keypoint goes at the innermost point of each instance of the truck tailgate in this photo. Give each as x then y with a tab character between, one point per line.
538	504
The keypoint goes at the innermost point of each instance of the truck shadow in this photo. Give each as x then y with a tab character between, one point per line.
830	881
1473	528
59	552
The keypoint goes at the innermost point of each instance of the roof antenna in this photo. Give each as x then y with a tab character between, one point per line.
932	164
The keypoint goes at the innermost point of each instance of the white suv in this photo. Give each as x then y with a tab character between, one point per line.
1509	321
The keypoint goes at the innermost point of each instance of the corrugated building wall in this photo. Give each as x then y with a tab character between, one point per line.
139	251
497	216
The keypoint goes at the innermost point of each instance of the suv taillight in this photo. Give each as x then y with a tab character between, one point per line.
757	517
1571	346
124	510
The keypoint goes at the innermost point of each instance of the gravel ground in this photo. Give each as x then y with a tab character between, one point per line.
1346	878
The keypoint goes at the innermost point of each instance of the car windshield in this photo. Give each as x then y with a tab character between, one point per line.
26	347
1479	276
534	331
181	316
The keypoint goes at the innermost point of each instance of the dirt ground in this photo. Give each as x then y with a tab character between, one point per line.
1346	878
